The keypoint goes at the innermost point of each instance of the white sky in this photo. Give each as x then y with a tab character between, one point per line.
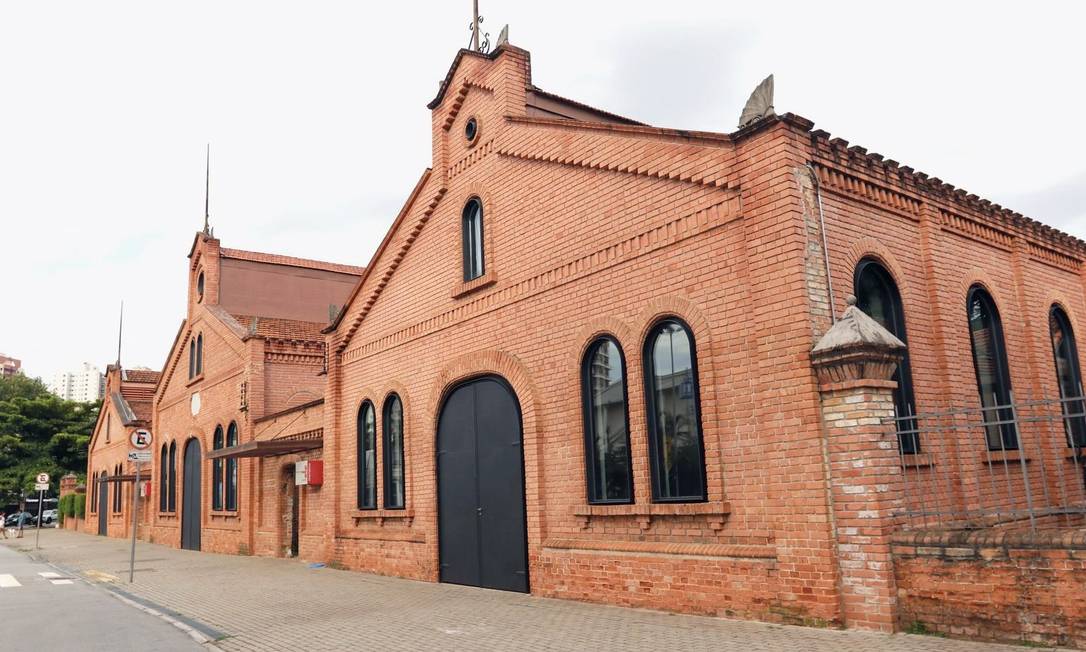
318	126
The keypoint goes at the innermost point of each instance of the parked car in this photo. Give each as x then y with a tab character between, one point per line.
49	516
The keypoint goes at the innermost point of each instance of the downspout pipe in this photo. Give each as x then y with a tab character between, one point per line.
825	243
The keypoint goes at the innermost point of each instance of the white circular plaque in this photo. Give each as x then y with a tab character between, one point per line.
195	404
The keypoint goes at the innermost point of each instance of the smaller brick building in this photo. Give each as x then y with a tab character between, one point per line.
126	407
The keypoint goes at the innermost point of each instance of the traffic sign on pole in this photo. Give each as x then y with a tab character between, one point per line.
43	478
139	456
140	439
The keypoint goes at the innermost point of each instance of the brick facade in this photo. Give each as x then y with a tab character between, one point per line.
596	225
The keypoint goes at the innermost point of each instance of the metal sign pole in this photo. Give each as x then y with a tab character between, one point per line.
37	535
135	521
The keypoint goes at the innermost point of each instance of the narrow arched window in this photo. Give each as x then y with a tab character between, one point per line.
172	480
878	297
674	420
216	471
192	358
199	354
367	457
163	478
93	494
472	235
393	450
200	287
117	493
992	370
232	469
1068	376
606	423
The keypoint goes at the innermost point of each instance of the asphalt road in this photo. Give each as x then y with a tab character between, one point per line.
43	609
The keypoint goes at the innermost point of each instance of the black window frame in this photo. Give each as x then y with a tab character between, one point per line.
217	442
365	471
94	488
1074	423
230	477
163	478
904	394
200	287
171	504
199	354
192	358
1004	417
473	245
388	448
116	495
587	412
650	412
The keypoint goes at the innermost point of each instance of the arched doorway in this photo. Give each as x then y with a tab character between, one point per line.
482	536
191	506
103	504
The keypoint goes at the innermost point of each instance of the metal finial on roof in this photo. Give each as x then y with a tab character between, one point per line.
476	27
503	36
120	330
207	192
759	105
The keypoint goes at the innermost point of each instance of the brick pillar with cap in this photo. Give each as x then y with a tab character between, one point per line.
854	361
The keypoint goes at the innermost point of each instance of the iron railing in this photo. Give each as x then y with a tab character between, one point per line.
1014	465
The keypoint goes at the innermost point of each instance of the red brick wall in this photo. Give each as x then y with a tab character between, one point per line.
996	586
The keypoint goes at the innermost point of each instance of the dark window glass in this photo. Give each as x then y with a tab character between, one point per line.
1068	376
117	490
200	287
877	295
216	471
606	424
393	432
993	375
367	457
471	129
473	239
93	494
199	354
172	484
192	358
675	446
232	469
163	478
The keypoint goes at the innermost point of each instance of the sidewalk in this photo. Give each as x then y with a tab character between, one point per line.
277	604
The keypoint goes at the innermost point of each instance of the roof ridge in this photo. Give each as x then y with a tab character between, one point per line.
293	261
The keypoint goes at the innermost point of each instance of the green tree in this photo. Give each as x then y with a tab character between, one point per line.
40	432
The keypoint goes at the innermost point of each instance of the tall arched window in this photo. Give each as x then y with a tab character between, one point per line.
877	296
163	478
232	469
1068	375
117	493
393	450
367	457
472	236
200	287
172	480
199	354
674	419
93	489
192	358
992	370
216	471
606	423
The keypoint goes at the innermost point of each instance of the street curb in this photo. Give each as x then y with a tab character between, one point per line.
192	632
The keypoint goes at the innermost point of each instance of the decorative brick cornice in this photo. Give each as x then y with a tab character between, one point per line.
458	100
474	156
841	182
975	230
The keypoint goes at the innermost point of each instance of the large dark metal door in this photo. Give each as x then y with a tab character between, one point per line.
481	515
190	497
103	506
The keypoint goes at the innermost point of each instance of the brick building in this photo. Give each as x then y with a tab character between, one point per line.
600	360
110	476
245	371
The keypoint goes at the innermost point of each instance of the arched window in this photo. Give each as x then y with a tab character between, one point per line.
1068	376
232	469
93	489
171	504
993	373
216	471
472	235
367	457
109	425
878	297
163	478
674	419
117	493
200	287
199	354
192	358
393	449
606	423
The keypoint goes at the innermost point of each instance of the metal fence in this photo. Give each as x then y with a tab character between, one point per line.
1021	464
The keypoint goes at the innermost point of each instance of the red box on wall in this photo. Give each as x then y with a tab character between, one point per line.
309	473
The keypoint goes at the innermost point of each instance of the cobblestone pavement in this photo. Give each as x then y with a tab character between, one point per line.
277	604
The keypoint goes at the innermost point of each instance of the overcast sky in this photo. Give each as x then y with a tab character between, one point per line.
316	114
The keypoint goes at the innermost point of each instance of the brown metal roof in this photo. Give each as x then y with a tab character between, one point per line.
266	448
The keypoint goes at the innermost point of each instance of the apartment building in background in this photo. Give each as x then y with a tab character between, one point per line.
84	384
9	366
